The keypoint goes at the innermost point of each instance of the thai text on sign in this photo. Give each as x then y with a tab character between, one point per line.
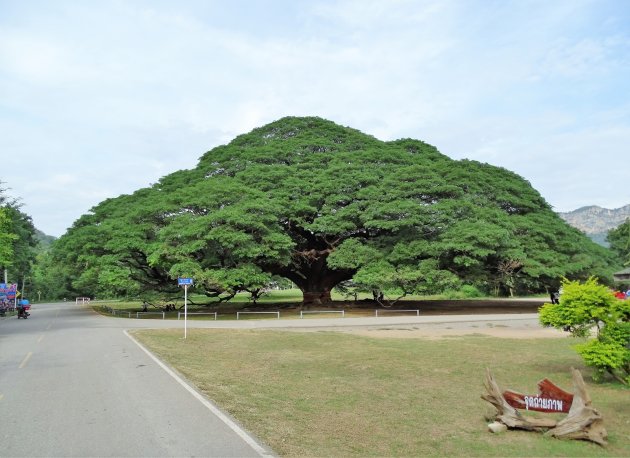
535	402
549	399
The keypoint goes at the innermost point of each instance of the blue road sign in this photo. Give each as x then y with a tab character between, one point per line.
184	281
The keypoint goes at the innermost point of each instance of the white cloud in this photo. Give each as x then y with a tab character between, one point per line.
123	93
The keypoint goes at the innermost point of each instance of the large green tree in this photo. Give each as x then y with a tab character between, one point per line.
320	204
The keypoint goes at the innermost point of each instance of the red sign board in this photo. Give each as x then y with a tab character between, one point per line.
550	399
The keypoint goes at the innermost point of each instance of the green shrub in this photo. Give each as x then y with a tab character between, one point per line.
465	292
585	307
606	357
471	291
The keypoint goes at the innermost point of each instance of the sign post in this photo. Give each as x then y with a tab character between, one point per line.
185	282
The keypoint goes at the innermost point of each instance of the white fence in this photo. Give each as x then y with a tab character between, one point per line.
397	311
150	313
82	300
302	312
197	313
238	314
377	312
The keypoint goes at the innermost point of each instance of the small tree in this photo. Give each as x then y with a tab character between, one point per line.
587	307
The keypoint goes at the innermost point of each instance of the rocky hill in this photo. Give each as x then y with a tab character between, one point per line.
596	221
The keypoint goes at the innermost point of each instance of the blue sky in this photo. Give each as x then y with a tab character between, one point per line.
98	99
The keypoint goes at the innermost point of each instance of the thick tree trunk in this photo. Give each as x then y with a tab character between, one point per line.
316	288
314	278
316	297
308	268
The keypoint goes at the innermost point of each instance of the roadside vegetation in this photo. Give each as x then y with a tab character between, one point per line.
336	394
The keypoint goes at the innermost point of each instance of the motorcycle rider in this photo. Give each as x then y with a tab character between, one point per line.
22	312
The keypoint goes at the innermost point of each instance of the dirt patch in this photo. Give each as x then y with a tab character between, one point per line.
441	333
506	329
501	327
461	318
477	306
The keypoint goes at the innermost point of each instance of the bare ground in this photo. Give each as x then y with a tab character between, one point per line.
506	329
509	332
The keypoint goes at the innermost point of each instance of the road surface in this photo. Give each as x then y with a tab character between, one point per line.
72	383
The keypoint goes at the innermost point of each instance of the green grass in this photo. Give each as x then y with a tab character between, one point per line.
279	297
335	394
286	301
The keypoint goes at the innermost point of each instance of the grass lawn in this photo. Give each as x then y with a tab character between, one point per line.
275	297
336	394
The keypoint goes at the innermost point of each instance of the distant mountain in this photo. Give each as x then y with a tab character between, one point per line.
596	221
44	240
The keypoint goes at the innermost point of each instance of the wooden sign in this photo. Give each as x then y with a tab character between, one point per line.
550	399
582	422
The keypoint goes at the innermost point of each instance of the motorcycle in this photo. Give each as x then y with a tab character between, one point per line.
22	313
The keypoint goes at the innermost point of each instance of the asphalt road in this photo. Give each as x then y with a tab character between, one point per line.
72	383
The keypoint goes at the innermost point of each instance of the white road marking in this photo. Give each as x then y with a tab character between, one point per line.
209	405
26	358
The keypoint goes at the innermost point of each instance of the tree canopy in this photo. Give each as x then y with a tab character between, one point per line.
619	239
320	204
7	238
17	238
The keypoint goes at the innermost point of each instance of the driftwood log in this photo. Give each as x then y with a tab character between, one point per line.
582	422
507	414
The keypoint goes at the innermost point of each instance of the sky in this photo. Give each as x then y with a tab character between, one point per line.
99	99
